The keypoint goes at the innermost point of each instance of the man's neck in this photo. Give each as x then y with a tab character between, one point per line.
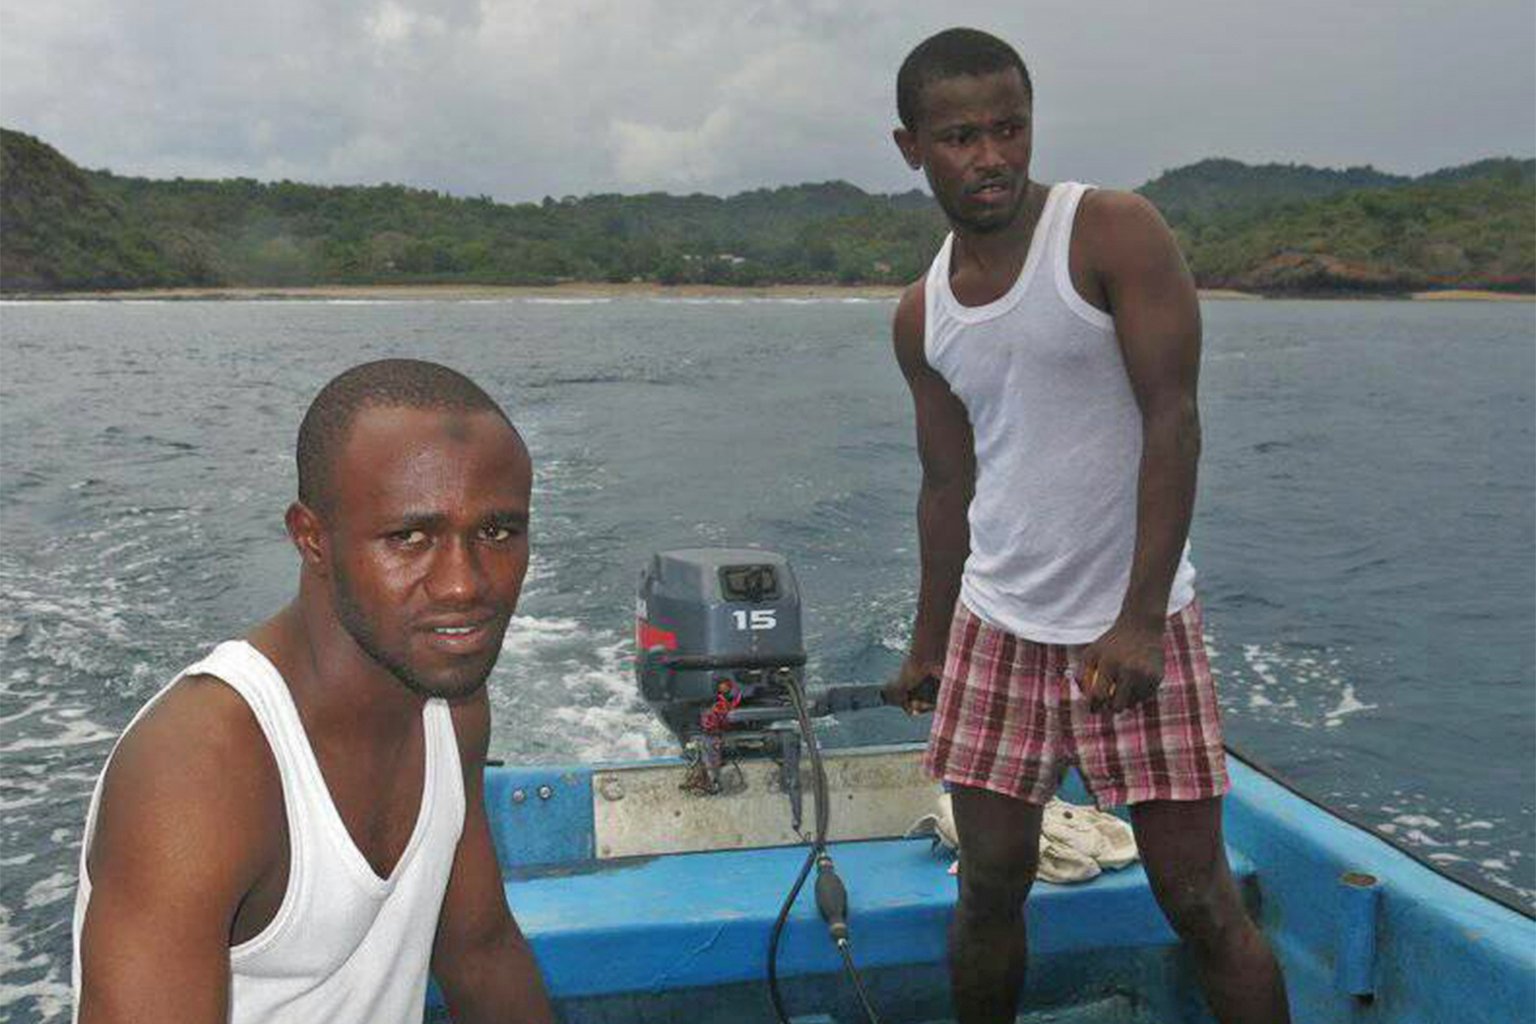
987	252
334	684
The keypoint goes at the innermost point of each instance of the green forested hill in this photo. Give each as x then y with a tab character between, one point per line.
1450	229
1213	186
58	230
1276	228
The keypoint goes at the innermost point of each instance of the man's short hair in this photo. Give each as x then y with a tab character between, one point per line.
950	54
387	383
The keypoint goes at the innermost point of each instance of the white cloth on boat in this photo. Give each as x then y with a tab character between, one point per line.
346	946
1076	842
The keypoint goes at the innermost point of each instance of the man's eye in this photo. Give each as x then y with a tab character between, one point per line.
497	533
409	538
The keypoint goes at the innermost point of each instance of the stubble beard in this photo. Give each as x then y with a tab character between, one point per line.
961	221
350	614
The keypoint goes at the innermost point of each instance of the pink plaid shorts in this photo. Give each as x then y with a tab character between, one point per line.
1011	719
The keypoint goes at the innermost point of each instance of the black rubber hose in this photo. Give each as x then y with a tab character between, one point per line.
773	940
831	896
858	983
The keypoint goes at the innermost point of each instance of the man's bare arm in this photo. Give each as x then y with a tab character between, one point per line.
1151	295
480	958
180	840
947	453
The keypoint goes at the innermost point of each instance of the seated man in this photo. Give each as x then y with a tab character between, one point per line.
293	828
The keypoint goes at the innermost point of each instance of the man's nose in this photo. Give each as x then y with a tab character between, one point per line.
457	577
989	152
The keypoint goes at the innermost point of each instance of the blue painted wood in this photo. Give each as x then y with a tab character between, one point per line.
1443	954
682	938
704	919
533	829
1354	967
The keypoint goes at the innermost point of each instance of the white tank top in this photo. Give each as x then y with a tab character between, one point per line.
1058	443
345	945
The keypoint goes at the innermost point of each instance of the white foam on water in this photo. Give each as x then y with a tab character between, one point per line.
52	302
55	888
621	727
1348	704
1417	821
593	710
542	300
1450	836
527	634
73	734
362	302
52	996
1276	683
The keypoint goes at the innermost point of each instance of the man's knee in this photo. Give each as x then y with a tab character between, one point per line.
995	891
1203	911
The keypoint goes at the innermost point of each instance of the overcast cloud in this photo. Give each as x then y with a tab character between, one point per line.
524	98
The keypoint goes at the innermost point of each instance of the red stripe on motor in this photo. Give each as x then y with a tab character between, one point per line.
648	636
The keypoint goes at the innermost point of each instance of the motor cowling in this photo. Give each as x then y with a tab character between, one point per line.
713	625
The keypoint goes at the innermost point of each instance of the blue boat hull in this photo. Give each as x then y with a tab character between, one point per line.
682	936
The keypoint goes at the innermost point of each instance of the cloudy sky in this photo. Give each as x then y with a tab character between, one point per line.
519	99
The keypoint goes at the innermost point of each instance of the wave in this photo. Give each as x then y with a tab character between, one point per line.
544	300
568	695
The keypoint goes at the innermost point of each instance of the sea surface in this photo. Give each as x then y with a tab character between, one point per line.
1365	534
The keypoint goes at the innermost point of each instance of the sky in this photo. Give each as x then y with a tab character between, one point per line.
519	99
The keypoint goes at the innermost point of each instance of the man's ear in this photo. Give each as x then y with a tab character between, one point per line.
307	535
907	142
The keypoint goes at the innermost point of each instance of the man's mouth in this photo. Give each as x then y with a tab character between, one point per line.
463	636
990	189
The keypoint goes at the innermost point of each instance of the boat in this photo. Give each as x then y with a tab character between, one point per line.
656	891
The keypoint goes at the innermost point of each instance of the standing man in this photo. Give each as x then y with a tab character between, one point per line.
1053	352
293	829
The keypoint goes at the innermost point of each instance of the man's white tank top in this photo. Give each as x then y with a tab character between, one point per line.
345	945
1058	443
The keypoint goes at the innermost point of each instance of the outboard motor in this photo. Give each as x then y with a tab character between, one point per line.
718	649
721	660
718	641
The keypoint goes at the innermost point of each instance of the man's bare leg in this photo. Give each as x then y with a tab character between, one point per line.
999	851
1186	863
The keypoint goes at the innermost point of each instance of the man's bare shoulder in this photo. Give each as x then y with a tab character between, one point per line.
1113	220
193	780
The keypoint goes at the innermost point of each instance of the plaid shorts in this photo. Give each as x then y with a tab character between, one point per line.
1011	719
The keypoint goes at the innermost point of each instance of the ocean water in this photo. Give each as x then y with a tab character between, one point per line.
1365	534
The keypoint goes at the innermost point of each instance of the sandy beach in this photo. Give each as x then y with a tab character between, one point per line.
1472	295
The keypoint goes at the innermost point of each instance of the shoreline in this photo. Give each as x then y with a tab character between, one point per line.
604	290
463	292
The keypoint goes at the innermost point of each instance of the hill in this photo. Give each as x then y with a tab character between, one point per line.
1278	228
1286	229
58	230
1212	186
